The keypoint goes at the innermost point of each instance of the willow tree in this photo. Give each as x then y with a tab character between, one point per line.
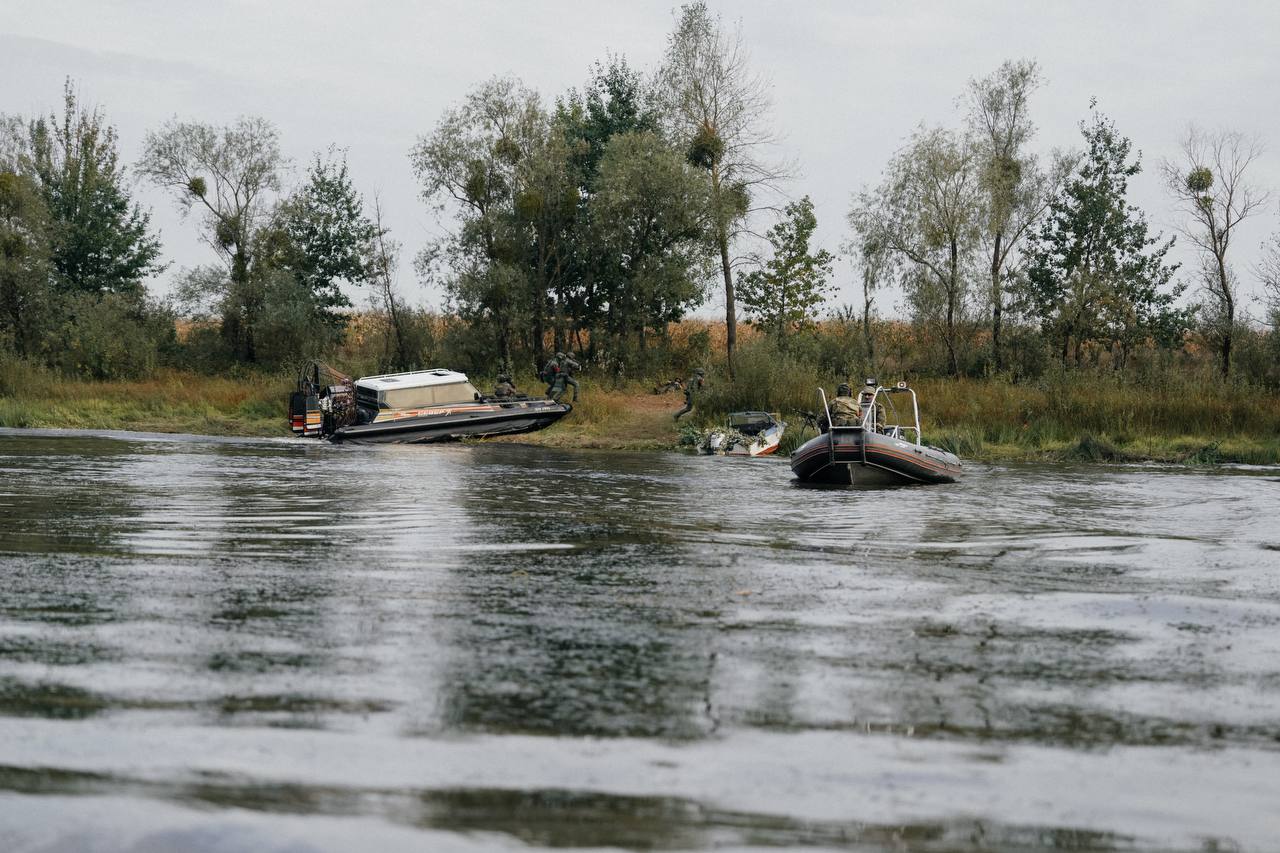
229	174
718	107
491	161
1208	184
926	214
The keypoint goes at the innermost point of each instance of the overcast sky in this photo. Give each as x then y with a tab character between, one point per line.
850	79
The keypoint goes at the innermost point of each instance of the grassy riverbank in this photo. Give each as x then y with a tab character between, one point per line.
169	401
1069	417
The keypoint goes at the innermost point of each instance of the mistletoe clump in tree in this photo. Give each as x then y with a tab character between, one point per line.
1096	273
784	292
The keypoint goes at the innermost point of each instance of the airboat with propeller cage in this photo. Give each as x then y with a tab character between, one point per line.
409	408
883	447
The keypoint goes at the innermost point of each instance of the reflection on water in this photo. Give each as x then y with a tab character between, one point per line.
597	641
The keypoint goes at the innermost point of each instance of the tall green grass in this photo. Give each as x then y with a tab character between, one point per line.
1179	415
167	401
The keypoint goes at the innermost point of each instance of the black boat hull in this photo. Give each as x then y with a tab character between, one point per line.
852	456
496	419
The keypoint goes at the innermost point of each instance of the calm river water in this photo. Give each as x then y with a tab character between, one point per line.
217	645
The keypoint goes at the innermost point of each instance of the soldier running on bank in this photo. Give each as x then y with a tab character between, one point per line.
691	389
568	367
551	374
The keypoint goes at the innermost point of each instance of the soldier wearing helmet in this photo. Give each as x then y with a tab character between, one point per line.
504	389
569	366
845	410
551	375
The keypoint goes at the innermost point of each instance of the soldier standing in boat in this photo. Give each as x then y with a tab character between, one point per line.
845	410
691	389
504	388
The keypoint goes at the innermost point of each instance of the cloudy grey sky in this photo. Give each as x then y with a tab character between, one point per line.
850	79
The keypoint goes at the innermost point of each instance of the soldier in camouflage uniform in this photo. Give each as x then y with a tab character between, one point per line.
504	388
844	408
691	389
568	366
866	397
551	374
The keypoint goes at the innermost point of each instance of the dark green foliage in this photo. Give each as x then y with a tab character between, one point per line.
113	336
647	226
794	281
767	378
579	220
327	239
26	303
291	325
1095	274
615	100
100	242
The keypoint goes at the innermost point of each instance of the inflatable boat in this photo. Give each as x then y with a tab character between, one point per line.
878	448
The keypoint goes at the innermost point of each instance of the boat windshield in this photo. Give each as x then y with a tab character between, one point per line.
750	423
427	395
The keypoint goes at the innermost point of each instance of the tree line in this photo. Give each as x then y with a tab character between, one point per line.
596	219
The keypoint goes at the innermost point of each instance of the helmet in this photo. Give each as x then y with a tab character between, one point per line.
843	390
504	377
559	355
699	371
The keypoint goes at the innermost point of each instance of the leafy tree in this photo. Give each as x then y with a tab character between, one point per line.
547	211
718	108
229	173
1208	184
329	238
1015	191
101	243
1094	270
926	213
473	160
615	100
794	281
25	268
648	224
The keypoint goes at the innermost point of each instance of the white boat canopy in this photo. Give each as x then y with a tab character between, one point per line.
417	388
